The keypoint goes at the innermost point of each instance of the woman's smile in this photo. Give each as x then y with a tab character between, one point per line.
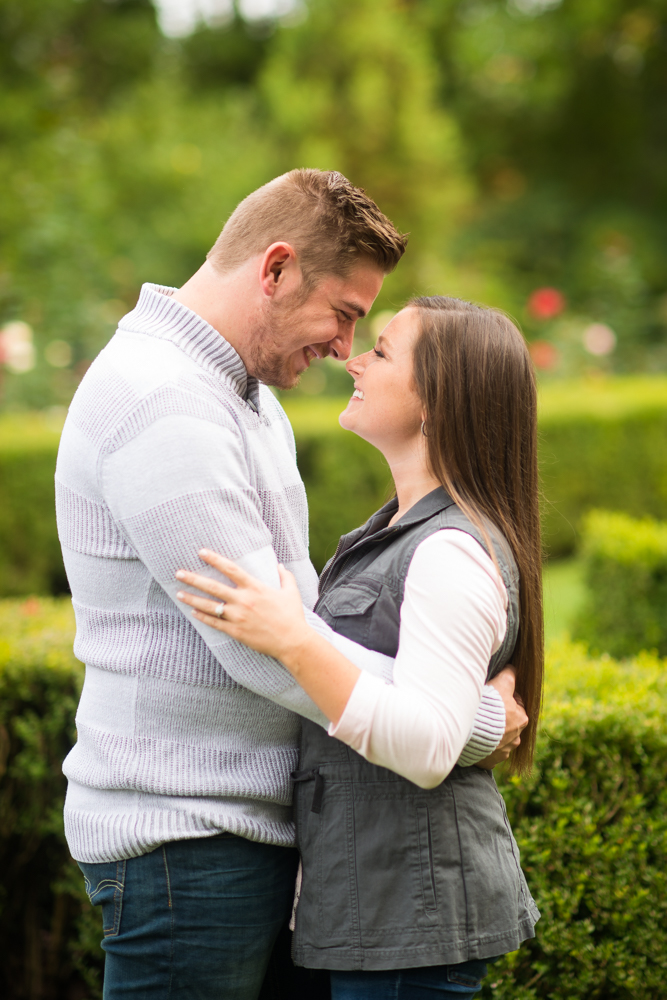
391	416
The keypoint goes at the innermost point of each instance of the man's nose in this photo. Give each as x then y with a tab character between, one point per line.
341	346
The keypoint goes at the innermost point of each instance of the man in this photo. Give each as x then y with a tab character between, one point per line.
178	803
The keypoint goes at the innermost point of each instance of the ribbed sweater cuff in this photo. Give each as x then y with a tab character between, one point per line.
488	728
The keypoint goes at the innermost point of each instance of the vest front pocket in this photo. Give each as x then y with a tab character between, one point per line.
397	897
326	916
426	858
349	609
490	860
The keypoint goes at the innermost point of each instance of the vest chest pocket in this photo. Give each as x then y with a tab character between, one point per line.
349	608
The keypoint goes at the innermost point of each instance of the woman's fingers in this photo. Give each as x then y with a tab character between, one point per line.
205	583
229	569
267	619
287	580
200	603
221	624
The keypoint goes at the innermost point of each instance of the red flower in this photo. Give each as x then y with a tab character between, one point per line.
544	354
545	303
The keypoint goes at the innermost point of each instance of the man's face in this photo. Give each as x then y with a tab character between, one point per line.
294	331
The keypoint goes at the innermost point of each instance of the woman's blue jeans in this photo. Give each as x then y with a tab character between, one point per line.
451	982
192	920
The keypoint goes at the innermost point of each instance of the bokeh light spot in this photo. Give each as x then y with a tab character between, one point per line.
379	322
545	356
313	381
17	351
599	339
58	354
545	303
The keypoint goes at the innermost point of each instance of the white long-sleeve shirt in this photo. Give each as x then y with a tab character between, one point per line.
453	618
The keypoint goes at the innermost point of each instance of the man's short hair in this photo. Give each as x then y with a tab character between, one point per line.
330	223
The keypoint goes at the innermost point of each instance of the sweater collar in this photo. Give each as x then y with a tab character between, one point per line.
157	314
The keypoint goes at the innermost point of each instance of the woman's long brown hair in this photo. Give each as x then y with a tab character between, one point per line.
475	378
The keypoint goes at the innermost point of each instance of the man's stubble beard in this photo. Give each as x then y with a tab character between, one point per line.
265	360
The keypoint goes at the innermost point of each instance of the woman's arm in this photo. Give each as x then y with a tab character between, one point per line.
273	622
452	618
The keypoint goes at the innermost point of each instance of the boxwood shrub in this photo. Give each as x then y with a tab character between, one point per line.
49	934
602	444
625	565
30	559
591	823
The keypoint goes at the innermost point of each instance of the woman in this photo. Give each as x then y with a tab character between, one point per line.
411	879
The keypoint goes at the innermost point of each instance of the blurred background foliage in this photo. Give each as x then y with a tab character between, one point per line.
522	143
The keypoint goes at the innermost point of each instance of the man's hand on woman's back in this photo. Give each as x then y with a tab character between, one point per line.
516	719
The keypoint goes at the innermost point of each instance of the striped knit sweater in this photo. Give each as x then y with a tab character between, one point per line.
169	446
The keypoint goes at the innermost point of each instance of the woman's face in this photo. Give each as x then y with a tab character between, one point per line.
385	408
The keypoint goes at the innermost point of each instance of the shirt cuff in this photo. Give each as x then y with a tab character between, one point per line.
355	723
488	728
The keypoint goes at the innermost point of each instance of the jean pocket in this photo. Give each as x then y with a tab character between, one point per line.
105	885
469	974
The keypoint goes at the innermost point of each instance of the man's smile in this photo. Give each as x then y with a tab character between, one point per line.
310	354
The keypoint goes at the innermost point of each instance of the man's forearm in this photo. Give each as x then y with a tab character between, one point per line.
488	728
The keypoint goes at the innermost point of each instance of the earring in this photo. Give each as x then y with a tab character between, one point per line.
423	431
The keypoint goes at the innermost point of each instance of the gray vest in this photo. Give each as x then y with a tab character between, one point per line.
396	876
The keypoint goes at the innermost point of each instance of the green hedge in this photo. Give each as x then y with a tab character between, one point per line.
625	566
591	824
30	559
602	445
50	938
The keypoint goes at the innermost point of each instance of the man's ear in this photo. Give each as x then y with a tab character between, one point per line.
278	268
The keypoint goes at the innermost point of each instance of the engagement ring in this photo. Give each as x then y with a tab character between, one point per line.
219	609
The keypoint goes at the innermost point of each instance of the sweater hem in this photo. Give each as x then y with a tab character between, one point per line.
100	839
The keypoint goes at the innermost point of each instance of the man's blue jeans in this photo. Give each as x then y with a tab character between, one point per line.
194	919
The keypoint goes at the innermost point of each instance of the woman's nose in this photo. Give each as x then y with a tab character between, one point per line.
356	366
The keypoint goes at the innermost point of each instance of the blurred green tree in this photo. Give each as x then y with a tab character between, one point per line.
522	143
107	183
62	64
563	108
354	88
